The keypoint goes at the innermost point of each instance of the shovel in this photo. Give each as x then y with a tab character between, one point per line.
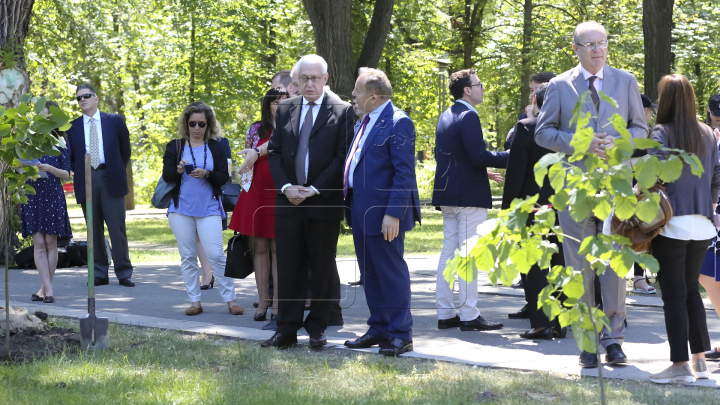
93	330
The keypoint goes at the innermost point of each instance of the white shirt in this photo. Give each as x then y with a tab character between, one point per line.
467	104
598	82
355	158
689	227
86	126
303	113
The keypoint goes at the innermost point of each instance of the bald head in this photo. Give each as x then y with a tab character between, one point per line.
591	46
585	27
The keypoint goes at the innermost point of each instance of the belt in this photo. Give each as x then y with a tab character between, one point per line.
100	167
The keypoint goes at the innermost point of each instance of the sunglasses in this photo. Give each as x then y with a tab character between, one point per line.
84	96
199	123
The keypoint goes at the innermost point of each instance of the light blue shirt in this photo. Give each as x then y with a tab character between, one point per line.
467	104
355	158
98	127
196	195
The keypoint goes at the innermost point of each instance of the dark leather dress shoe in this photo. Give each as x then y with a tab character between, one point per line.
364	341
541	334
126	282
101	281
615	355
559	332
317	340
713	354
355	283
523	313
479	323
588	360
449	323
395	347
280	341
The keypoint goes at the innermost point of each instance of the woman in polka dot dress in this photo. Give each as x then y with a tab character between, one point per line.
45	216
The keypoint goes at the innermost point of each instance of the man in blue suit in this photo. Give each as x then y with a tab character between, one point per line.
462	192
106	138
381	191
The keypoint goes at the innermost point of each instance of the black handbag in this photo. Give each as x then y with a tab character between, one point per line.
230	195
240	252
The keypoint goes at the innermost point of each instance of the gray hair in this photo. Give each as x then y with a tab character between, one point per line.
584	26
312	59
294	69
377	82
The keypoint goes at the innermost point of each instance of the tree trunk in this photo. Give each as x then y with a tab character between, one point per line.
377	33
331	24
192	56
525	61
657	31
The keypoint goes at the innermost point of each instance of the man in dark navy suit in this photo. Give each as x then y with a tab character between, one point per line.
106	138
462	192
381	190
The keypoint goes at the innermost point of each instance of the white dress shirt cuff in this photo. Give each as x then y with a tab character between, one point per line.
282	189
315	190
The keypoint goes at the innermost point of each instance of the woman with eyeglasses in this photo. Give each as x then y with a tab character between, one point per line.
681	245
196	208
45	216
710	273
254	213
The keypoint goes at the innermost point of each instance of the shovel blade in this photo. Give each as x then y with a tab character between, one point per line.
94	333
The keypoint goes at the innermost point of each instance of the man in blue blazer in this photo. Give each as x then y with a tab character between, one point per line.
462	192
381	191
106	138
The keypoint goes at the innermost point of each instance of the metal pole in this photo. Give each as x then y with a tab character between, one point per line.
8	220
89	224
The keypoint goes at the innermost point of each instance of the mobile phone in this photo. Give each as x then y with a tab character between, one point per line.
189	168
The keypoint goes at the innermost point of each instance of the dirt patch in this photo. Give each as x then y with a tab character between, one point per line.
31	343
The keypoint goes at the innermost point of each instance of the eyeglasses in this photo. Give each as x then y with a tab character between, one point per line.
594	45
314	79
84	96
199	123
478	84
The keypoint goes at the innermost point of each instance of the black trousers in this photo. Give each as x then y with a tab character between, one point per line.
111	211
301	242
535	281
680	263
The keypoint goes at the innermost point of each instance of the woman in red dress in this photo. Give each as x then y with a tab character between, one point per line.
254	213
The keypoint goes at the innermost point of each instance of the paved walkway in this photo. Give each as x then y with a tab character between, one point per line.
159	299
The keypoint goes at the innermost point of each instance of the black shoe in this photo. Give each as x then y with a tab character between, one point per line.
36	297
615	355
127	282
101	281
712	355
365	341
541	334
479	323
449	323
317	340
523	313
261	316
355	283
588	360
272	325
209	286
559	332
280	341
395	347
337	321
48	299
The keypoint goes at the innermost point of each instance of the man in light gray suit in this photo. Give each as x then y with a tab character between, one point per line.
554	132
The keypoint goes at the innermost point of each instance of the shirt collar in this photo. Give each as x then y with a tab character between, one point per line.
317	102
378	110
587	75
86	118
467	104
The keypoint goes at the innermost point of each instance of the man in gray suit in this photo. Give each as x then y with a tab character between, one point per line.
554	132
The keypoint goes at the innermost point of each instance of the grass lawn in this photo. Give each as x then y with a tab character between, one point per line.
425	239
150	366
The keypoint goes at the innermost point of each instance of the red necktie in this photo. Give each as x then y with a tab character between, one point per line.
351	156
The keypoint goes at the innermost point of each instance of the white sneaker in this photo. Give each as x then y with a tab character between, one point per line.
671	375
700	370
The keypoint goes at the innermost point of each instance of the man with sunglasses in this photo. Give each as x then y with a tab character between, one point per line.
106	138
554	132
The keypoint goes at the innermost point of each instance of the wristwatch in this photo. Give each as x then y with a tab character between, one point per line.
207	174
257	151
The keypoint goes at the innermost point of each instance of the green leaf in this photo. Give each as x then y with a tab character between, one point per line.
603	207
695	165
671	169
557	176
647	208
580	205
574	288
625	206
540	173
621	186
646	171
23	108
608	99
620	126
645	143
25	98
582	139
549	160
39	105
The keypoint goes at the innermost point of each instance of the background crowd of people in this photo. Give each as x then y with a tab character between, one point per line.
313	160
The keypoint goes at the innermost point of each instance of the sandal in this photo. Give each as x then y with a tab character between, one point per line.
647	290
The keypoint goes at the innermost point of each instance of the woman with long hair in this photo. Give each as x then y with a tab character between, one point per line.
254	213
45	215
196	208
680	247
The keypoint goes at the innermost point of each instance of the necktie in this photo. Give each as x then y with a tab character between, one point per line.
351	156
94	145
594	93
302	147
